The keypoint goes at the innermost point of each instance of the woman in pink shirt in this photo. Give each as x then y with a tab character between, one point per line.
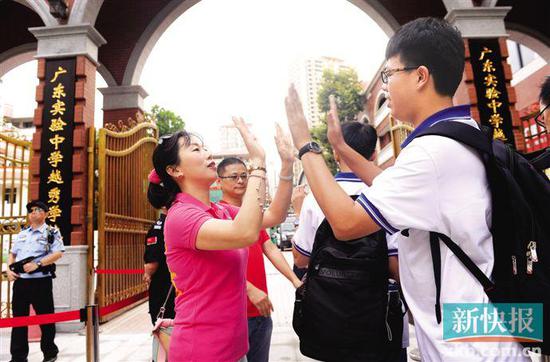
206	248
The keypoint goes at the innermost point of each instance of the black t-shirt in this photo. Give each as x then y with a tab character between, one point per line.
154	252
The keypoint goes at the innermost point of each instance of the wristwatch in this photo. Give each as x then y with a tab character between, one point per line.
309	147
39	264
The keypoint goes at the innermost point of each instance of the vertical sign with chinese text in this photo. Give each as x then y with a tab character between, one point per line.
490	84
56	158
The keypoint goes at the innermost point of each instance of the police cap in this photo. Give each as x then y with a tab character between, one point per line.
37	203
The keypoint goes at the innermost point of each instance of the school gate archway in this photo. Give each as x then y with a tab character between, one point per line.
115	38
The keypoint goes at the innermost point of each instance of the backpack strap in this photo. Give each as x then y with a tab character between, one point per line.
436	261
542	161
461	132
319	243
162	309
487	284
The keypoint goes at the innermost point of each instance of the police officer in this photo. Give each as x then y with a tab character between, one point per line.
33	285
157	275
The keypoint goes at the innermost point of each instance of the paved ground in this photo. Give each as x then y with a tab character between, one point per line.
127	337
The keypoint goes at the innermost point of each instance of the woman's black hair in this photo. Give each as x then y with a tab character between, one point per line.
166	154
157	196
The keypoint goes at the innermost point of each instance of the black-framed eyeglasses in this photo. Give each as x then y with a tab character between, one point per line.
235	178
387	73
537	117
36	209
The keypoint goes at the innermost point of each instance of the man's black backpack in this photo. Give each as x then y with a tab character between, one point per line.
342	311
520	225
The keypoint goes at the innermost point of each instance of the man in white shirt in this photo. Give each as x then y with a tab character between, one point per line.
436	184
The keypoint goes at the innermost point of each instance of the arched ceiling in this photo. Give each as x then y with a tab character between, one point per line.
131	27
15	19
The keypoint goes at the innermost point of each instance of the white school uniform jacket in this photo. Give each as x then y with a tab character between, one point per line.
438	184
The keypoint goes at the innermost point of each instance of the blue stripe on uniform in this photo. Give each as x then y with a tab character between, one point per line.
348	180
300	250
375	214
392	252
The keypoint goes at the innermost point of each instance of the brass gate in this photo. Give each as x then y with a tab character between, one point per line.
15	156
124	214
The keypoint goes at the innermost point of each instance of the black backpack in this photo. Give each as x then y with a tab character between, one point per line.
343	311
520	226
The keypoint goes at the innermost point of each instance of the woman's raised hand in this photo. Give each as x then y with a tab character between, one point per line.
255	150
284	145
334	129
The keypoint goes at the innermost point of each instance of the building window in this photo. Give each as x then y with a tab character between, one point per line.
10	197
519	55
381	102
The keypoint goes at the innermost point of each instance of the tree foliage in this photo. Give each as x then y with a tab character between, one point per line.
166	120
346	87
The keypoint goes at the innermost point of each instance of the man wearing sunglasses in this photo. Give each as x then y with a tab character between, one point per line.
233	180
33	286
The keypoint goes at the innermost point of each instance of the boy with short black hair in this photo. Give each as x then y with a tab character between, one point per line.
436	184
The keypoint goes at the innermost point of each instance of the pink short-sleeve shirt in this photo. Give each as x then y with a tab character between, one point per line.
211	320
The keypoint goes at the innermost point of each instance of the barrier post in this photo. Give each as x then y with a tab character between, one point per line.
92	333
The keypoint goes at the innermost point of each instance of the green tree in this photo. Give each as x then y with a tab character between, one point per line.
166	120
346	87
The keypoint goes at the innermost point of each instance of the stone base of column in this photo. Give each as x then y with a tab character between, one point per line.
70	286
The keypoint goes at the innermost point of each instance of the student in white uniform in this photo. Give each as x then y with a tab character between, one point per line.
436	184
362	138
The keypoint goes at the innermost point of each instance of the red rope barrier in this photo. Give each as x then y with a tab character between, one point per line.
119	305
75	314
40	319
66	316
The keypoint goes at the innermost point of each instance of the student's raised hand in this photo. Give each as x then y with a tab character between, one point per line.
334	128
297	122
255	150
284	146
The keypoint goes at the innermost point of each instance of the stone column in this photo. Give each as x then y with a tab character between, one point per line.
77	44
480	25
121	103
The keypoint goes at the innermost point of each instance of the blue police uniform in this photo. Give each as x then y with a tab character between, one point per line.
34	289
34	242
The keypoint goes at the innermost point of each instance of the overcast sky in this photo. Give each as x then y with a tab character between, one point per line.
223	58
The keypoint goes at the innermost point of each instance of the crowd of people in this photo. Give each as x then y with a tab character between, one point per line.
437	186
